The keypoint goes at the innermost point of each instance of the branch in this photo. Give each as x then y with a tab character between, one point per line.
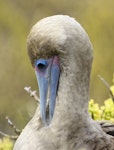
107	85
16	130
32	93
9	136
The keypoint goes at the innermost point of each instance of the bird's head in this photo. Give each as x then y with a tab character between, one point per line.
55	45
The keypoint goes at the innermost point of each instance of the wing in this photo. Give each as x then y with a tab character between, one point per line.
107	126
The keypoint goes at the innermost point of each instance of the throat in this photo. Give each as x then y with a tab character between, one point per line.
71	108
72	99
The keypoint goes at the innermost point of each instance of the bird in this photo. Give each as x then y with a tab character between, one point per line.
61	54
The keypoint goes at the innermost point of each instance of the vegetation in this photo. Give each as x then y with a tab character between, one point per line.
6	144
16	19
105	112
97	112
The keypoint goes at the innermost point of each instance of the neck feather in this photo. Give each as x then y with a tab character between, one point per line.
72	98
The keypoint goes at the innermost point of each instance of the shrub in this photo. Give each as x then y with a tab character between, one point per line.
105	112
6	144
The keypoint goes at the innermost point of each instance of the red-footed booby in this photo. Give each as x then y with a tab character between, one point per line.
61	54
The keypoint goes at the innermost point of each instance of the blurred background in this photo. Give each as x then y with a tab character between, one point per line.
16	19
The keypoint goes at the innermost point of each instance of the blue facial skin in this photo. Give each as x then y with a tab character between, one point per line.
47	73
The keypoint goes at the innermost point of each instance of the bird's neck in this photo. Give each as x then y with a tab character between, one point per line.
72	101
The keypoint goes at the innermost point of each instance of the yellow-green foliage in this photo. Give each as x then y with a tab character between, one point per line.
105	112
6	144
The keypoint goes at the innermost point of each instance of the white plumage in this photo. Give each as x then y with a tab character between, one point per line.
71	127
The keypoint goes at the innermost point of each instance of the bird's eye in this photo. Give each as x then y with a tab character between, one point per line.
41	64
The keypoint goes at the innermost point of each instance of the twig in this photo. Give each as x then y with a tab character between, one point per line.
32	93
16	130
9	136
107	85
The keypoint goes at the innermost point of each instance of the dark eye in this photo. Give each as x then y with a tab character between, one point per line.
41	64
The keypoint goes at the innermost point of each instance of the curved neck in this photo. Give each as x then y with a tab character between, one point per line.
72	99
